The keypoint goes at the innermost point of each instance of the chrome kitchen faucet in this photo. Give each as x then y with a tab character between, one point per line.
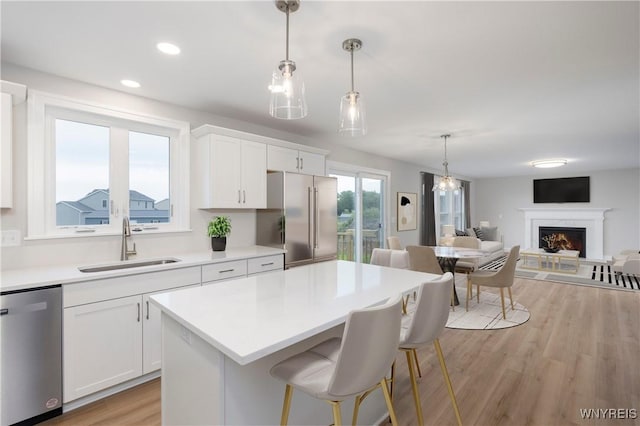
126	233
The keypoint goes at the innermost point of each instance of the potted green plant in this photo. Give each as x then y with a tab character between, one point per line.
219	228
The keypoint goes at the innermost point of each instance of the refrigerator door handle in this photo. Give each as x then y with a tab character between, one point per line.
309	217
316	220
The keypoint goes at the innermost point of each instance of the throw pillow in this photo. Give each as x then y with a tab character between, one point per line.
471	232
479	234
490	233
460	233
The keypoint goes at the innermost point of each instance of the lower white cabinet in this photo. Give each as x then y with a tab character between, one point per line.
102	345
111	333
152	333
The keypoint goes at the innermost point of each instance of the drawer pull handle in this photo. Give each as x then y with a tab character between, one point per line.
4	311
226	270
138	312
147	309
267	264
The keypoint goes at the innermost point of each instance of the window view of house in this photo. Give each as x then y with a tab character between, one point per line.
89	210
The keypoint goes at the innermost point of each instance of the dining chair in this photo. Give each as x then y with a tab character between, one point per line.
423	327
423	259
353	365
502	278
394	259
394	243
466	266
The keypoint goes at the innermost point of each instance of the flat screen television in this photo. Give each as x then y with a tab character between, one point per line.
561	190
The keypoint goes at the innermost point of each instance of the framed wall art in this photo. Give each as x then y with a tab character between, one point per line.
407	211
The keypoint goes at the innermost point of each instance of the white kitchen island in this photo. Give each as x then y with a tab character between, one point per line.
220	341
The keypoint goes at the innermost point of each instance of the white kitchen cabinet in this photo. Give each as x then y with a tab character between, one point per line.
12	94
224	271
102	345
232	172
293	160
152	333
111	334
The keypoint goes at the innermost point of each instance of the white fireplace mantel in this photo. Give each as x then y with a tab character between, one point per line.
592	219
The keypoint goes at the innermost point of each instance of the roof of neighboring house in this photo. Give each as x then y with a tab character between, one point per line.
133	194
133	214
76	205
138	196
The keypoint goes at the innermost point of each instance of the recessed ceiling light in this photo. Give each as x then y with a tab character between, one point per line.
168	48
130	83
547	164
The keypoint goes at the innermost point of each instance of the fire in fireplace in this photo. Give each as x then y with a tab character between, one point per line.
567	238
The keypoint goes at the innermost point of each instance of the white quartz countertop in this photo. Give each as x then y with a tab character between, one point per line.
20	279
253	317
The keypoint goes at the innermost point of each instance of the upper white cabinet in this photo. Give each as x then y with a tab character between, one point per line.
293	160
232	172
12	93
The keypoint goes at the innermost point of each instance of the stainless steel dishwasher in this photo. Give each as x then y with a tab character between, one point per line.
31	342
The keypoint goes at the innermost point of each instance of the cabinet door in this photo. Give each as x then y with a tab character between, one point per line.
254	175
311	163
102	345
6	142
225	163
152	333
282	159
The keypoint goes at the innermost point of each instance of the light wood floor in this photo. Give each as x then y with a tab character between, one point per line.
579	350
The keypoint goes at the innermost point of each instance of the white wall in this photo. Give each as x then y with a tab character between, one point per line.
498	201
33	253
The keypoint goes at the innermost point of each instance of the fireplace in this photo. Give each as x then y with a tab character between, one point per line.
590	218
567	238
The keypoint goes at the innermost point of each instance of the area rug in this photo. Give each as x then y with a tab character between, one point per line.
486	315
595	274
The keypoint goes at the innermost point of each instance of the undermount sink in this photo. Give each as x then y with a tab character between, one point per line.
126	264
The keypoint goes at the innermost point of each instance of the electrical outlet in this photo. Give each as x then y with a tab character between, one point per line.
185	334
11	238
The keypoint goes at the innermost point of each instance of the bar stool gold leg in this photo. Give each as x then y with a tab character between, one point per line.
387	398
356	408
414	388
286	406
445	373
415	357
337	417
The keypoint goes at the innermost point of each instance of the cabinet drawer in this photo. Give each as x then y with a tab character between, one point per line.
224	270
266	263
112	288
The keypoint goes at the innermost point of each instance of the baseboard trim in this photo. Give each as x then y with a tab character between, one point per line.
80	402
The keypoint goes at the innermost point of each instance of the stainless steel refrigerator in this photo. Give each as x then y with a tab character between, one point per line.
301	217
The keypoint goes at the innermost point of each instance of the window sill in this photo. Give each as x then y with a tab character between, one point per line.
105	234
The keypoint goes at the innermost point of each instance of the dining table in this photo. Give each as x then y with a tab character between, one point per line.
449	256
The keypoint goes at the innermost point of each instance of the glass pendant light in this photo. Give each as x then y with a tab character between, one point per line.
446	182
352	112
287	88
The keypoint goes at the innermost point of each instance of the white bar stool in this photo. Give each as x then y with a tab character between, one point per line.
355	365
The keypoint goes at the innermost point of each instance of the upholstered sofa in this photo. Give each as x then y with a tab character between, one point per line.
489	242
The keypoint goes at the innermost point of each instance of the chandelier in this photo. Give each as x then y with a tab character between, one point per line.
446	182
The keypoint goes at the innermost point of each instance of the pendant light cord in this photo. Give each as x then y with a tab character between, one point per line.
352	85
287	44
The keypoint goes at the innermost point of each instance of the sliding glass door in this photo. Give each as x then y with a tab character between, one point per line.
361	213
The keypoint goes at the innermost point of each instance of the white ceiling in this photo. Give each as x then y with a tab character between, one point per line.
511	81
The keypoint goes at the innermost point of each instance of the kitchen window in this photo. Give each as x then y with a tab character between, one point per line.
91	166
